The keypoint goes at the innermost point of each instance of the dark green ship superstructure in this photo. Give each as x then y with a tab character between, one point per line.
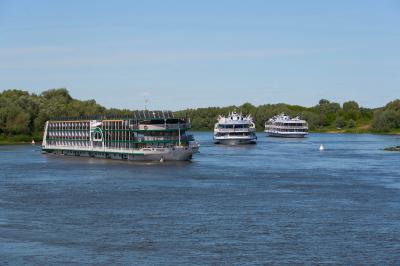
146	135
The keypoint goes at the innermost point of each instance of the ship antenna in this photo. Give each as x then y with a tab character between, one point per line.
179	132
146	101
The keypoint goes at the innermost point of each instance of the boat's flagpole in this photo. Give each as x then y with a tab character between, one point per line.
179	132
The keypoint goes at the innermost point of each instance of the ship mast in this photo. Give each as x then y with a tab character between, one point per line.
179	133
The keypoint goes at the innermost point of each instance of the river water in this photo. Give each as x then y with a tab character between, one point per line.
281	201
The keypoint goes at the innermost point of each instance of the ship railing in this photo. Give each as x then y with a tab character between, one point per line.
88	148
164	127
169	138
286	132
286	127
155	138
235	129
235	137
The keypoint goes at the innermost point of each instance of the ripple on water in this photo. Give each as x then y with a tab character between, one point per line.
277	202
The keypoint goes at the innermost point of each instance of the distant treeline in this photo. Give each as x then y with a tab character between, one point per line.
23	114
325	116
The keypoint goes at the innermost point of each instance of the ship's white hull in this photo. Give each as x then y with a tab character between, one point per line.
148	154
286	134
234	130
235	141
283	126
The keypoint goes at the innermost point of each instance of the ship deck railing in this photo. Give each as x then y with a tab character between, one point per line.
133	128
138	115
285	132
224	130
90	149
235	137
286	127
163	127
104	149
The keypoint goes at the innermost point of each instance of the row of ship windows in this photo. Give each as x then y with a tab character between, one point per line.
124	145
235	134
145	138
176	139
67	134
288	124
153	135
288	130
68	125
71	126
234	126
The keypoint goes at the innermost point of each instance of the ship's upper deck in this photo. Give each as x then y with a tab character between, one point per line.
287	120
143	116
235	119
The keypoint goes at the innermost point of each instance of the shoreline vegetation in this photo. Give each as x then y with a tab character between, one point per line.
23	114
15	140
395	148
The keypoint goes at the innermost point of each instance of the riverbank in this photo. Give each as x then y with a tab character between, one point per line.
364	129
361	129
18	139
396	148
355	131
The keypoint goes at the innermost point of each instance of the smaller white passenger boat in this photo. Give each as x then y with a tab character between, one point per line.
284	126
235	129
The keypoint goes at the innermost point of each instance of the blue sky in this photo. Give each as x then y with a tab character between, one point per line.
183	54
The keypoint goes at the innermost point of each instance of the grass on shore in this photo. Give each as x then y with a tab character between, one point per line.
18	139
362	129
396	148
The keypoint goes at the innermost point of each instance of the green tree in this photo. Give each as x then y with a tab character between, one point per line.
323	102
22	113
247	108
351	110
340	123
327	112
388	117
57	94
386	120
351	123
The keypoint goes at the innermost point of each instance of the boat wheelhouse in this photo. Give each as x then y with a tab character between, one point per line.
145	135
235	129
284	126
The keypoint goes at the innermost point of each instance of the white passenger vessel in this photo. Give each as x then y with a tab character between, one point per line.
235	129
144	135
284	126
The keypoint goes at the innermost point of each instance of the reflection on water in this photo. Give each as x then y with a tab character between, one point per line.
279	201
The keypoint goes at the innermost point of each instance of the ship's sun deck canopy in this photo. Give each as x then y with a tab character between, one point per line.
162	121
144	116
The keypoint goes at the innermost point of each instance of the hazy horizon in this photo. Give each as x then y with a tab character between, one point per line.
180	55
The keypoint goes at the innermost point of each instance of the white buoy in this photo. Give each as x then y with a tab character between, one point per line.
33	142
321	147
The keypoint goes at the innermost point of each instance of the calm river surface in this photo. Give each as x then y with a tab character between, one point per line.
281	201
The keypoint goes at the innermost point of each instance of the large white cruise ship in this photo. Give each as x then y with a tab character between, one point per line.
235	129
284	126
